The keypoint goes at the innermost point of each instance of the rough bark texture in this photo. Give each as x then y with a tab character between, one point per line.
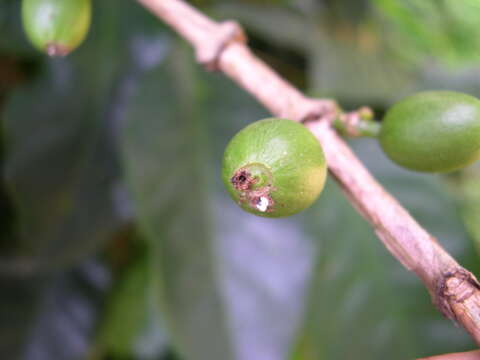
221	46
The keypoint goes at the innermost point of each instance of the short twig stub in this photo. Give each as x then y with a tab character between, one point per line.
228	32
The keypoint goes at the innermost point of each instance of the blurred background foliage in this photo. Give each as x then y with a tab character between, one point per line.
118	240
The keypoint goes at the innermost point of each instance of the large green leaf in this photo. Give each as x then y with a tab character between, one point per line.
67	313
13	39
425	30
58	170
164	155
131	325
353	311
62	174
19	298
363	304
349	54
50	317
60	164
232	284
466	188
345	60
264	264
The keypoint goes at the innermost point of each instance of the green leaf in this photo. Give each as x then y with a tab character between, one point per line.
363	303
132	325
424	30
353	312
265	266
67	313
13	40
60	164
62	173
20	297
466	188
232	284
164	147
50	317
60	170
471	208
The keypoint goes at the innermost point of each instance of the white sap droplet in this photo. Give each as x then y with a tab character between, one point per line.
262	204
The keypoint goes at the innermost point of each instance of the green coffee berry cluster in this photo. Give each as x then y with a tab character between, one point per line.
56	26
276	167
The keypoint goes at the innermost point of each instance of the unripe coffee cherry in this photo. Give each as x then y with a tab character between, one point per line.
274	168
56	26
433	131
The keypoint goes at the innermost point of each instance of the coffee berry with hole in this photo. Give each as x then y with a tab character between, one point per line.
274	168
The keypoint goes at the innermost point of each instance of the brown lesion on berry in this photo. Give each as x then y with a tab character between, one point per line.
258	199
243	180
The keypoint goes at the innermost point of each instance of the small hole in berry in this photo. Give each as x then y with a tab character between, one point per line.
242	180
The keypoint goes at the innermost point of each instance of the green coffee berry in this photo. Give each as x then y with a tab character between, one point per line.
56	26
433	131
274	168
